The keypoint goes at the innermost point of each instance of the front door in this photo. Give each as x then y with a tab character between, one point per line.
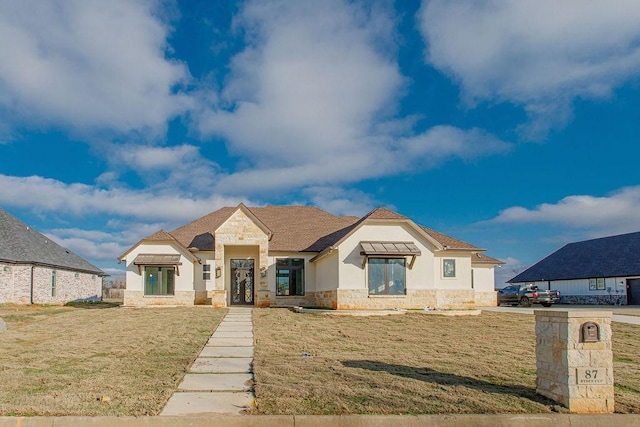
242	283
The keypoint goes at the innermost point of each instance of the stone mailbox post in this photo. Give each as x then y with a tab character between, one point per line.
575	360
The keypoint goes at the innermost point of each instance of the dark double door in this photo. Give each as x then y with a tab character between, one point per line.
242	281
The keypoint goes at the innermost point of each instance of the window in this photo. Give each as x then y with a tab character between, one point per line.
206	272
53	283
289	276
449	268
159	280
387	276
597	284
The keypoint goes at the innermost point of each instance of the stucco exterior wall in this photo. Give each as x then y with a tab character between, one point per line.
351	274
15	285
327	273
462	280
483	285
203	288
183	282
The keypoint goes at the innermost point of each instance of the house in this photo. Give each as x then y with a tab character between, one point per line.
36	270
304	256
597	271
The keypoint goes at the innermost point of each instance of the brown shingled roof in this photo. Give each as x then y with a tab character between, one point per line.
383	213
449	241
194	234
298	228
293	228
479	258
160	236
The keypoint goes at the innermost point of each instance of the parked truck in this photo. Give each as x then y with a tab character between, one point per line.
525	295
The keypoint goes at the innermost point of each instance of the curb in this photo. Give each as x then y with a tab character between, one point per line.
499	420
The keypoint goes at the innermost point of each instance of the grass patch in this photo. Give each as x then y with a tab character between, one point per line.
65	360
412	364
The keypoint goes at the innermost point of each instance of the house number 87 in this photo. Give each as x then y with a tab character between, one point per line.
591	374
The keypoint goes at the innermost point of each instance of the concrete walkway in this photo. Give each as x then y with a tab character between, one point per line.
220	381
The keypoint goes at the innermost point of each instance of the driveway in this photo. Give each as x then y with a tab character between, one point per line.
632	318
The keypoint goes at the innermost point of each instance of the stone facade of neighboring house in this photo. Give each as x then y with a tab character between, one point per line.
34	269
303	256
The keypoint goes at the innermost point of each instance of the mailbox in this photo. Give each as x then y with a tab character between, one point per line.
590	332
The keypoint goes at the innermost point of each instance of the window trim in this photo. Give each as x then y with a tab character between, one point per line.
595	282
452	262
386	276
291	269
160	268
54	283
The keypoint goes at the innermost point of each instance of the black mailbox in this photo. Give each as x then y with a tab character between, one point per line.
590	332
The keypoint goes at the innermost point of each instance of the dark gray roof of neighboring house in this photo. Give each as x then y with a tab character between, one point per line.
21	244
614	256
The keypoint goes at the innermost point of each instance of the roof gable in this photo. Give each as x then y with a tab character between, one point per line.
160	237
614	256
19	243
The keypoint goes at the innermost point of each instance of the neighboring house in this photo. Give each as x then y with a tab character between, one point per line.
598	271
302	255
36	270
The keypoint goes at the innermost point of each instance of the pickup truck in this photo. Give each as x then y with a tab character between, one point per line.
525	295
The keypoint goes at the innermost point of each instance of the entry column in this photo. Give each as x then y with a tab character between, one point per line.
574	359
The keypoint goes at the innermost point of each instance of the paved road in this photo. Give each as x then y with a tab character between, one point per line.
632	320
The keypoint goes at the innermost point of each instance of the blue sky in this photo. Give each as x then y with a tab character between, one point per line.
510	124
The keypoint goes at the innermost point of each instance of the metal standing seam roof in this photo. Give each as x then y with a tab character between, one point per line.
613	256
21	244
154	259
389	248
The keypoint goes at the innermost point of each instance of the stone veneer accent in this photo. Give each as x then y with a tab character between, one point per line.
138	299
359	299
326	299
219	298
486	299
239	229
15	285
561	355
620	299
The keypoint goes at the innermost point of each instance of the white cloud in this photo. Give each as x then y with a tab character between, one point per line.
342	201
508	271
88	65
539	54
311	100
45	194
612	214
442	142
180	167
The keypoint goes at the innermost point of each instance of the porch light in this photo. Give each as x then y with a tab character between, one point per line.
218	272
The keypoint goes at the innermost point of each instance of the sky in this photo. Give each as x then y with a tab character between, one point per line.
510	124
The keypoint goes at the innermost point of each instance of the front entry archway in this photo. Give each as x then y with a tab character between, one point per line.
242	281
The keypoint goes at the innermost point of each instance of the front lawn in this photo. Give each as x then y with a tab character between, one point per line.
412	364
109	361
